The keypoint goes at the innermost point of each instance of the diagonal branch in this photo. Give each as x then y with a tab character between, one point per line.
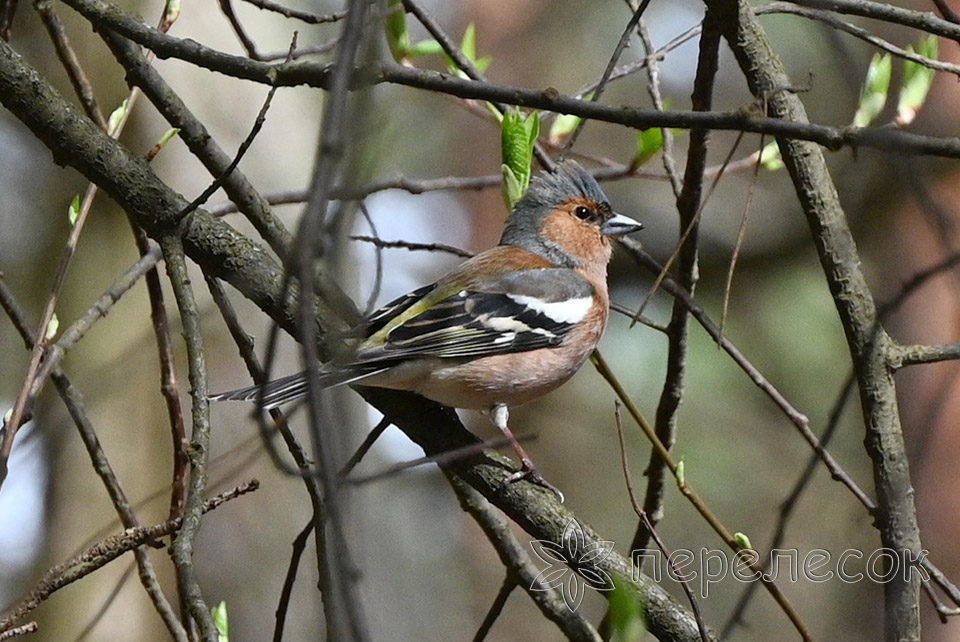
871	349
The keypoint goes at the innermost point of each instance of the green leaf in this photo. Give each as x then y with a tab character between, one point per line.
468	47
770	157
170	14
681	473
73	212
219	613
649	142
117	116
916	83
742	540
626	615
170	133
873	96
52	328
424	48
395	27
518	135
513	188
563	126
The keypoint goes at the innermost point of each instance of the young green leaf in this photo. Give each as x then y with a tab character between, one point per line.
73	212
626	615
395	27
219	613
873	96
564	125
424	48
916	83
170	14
117	116
468	47
518	135
170	133
770	157
649	142
52	328
681	473
742	540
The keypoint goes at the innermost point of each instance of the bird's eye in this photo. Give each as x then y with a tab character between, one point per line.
583	213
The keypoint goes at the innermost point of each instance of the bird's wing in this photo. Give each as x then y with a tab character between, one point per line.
517	310
514	311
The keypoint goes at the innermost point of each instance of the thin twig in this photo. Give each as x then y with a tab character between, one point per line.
251	48
303	16
107	603
653	87
690	205
515	558
858	32
441	459
182	548
365	447
299	545
413	247
78	78
652	530
465	65
694	498
605	77
500	601
200	141
104	552
343	611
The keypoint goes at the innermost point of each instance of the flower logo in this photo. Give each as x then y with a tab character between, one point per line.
572	565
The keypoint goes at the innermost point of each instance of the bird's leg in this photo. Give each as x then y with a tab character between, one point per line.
499	414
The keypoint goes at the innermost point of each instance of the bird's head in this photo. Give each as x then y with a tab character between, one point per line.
566	218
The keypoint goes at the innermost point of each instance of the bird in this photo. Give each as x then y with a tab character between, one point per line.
504	328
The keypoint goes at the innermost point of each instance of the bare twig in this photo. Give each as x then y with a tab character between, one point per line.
78	78
869	345
694	498
500	601
605	77
182	548
105	552
303	16
414	247
652	530
515	558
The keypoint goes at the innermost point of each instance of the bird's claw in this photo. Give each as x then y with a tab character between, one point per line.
530	473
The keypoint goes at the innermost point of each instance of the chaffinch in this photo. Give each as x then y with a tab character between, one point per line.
506	327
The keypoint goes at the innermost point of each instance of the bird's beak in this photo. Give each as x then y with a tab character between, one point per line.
619	225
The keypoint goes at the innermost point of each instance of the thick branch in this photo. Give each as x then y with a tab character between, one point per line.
869	344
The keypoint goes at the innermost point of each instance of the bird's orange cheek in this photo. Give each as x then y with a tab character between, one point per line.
576	237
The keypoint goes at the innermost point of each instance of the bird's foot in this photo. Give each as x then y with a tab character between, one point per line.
530	473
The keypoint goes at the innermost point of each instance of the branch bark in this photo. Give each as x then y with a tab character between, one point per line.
871	349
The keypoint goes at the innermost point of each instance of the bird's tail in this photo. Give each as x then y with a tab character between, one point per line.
292	387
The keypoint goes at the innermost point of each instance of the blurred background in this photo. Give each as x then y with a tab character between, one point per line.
427	571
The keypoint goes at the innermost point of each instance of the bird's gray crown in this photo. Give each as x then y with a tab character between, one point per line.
548	190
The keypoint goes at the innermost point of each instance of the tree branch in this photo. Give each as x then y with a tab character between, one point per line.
870	346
